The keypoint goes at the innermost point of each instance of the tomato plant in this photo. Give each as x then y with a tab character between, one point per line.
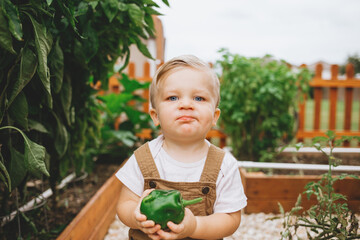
259	97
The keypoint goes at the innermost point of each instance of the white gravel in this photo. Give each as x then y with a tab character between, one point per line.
252	227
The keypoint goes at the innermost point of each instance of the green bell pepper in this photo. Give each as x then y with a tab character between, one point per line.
162	206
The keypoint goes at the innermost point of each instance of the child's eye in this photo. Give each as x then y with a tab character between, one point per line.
173	98
199	99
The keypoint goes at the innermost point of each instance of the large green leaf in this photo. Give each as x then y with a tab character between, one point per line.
56	65
110	8
5	34
136	14
43	43
66	98
143	49
37	126
18	111
35	158
61	137
166	2
28	65
12	13
132	85
116	102
34	154
4	175
17	167
91	42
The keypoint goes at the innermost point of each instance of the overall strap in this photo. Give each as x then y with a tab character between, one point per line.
146	162
212	164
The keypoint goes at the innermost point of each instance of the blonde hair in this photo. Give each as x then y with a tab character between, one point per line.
184	61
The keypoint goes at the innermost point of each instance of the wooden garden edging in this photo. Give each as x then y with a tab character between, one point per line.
94	219
264	192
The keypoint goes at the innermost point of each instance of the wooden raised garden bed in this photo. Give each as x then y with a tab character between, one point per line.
94	219
264	192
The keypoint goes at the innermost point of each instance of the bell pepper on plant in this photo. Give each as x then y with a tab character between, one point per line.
162	206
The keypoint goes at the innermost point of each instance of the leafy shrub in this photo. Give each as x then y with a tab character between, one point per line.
329	218
259	97
48	52
117	143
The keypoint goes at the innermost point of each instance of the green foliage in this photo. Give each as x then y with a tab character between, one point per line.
330	218
259	97
48	52
353	59
117	144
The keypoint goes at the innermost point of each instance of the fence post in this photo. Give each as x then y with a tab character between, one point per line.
302	113
333	98
147	78
348	101
317	97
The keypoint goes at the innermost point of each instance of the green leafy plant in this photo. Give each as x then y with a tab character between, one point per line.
330	218
118	142
48	52
32	160
259	97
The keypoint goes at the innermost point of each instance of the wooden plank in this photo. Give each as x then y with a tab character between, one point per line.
105	221
215	133
286	189
348	111
333	98
131	70
145	94
289	187
333	103
317	107
311	134
271	206
301	117
93	219
351	83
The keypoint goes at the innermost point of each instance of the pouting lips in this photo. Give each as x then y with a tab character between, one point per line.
186	118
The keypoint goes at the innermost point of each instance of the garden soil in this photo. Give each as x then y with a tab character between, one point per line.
49	221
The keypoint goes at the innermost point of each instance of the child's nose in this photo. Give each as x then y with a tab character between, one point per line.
186	103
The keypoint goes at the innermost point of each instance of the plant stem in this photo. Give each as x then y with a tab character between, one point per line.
189	202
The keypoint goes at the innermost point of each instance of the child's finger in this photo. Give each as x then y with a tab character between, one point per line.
147	192
176	228
148	224
154	236
167	235
140	217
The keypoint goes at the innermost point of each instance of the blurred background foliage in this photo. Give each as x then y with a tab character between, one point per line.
259	100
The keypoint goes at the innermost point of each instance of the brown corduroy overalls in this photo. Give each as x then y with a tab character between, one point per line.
206	188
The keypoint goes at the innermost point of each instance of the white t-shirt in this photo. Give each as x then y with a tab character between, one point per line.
230	196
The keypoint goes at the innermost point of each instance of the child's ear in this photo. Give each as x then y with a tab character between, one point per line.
154	116
216	116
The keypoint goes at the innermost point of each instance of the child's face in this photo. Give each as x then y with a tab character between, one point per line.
186	105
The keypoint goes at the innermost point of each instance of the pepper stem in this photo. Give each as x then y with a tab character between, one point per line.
189	202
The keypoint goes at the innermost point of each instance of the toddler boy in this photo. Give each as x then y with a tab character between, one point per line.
184	97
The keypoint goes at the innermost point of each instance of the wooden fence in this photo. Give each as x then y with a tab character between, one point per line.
334	84
319	84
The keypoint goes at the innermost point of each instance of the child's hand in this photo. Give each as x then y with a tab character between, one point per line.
147	226
181	230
